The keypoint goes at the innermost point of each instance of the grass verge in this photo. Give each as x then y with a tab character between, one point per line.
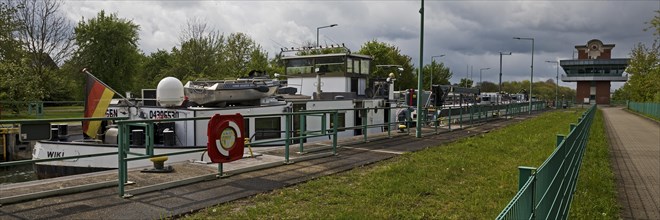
469	179
595	193
49	112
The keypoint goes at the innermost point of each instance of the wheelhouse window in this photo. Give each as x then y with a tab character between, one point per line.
267	128
330	64
349	65
299	66
364	66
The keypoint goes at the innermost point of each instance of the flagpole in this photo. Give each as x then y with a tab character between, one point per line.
106	86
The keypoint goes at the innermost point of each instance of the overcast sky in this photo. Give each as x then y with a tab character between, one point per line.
469	33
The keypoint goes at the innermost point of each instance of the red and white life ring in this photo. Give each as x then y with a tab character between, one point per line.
225	138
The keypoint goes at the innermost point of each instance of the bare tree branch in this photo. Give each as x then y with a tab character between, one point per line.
46	34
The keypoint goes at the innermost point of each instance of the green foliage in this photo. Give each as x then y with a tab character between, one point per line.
212	56
541	90
74	82
644	69
386	54
198	57
10	48
13	75
441	73
465	82
155	66
107	45
486	86
242	54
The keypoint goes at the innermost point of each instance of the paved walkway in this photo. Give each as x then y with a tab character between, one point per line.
635	143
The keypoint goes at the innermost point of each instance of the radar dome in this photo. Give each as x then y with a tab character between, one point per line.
169	92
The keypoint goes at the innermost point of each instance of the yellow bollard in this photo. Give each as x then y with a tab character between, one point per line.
247	143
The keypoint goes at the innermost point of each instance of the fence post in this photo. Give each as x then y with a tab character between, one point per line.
436	120
525	173
460	117
560	138
449	120
302	132
335	121
471	113
364	124
287	136
389	122
221	170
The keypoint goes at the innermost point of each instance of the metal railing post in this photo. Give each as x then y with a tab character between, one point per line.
335	120
525	174
123	147
150	138
364	124
449	120
389	122
460	118
302	132
471	113
221	170
560	138
479	110
287	136
436	120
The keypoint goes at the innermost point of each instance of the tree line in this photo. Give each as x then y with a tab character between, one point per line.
643	85
42	53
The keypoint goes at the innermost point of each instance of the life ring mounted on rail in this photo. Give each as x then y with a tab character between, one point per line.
225	138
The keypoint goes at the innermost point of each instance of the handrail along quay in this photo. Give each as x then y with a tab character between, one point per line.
435	118
546	192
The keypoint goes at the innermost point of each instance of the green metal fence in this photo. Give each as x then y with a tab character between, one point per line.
547	192
459	117
647	108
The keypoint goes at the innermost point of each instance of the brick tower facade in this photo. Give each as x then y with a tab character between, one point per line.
594	70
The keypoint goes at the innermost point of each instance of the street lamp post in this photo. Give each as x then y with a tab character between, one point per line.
531	77
500	85
432	63
480	71
317	32
556	83
418	130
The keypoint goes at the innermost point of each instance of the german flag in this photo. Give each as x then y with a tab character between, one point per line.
96	104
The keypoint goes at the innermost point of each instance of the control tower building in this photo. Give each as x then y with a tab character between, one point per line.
594	70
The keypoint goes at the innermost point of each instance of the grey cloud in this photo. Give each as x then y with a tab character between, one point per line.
468	32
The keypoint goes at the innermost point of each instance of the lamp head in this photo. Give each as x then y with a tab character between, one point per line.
332	25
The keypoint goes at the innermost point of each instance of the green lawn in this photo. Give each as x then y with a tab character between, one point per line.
49	112
595	194
470	179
